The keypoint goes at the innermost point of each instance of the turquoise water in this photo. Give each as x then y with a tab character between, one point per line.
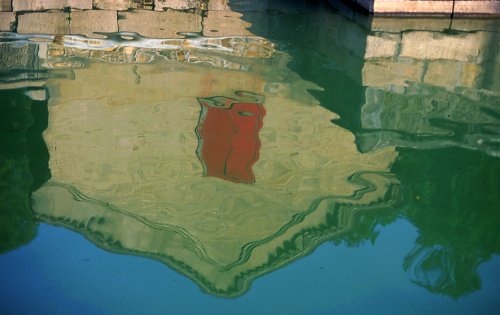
297	159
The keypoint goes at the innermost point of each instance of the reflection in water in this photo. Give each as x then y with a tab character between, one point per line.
23	162
136	173
452	198
361	127
228	140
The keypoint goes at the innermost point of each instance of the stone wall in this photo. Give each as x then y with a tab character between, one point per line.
158	19
429	7
425	88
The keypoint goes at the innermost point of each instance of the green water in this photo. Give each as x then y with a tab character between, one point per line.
314	161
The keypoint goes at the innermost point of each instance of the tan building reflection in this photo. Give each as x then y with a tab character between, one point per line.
125	173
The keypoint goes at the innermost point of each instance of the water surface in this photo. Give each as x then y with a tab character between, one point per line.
322	154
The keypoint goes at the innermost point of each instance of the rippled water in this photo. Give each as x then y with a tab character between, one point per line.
360	154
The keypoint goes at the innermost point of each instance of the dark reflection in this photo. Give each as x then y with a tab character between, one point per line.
23	162
228	136
452	197
439	106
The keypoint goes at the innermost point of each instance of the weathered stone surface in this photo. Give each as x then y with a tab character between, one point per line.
430	45
471	75
389	72
430	7
412	7
218	5
477	7
43	23
442	73
40	5
159	24
469	25
162	5
381	46
7	21
143	4
254	5
119	5
23	57
397	25
88	22
5	5
225	23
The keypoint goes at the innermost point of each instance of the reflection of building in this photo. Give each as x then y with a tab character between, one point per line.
228	137
125	173
125	170
445	94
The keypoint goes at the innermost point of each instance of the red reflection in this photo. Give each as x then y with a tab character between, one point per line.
228	138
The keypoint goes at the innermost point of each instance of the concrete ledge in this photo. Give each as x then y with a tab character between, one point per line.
429	7
477	7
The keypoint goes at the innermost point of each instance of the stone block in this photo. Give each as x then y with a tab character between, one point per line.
143	4
118	5
397	25
5	5
430	7
468	47
159	24
405	7
494	84
218	5
381	46
389	72
471	75
43	23
162	5
7	21
252	5
469	25
225	23
88	22
477	7
40	5
442	73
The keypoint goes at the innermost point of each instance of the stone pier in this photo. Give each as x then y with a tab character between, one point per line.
429	7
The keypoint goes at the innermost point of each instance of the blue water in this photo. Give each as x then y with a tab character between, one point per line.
60	272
